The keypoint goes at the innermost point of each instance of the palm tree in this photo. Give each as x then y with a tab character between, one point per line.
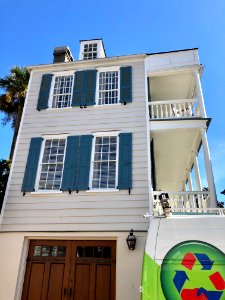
4	174
12	101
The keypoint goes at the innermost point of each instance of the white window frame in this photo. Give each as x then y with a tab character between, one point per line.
102	134
81	55
57	74
38	175
97	50
107	69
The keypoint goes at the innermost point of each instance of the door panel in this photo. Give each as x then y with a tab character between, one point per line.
70	270
55	285
82	282
47	270
36	281
103	282
94	265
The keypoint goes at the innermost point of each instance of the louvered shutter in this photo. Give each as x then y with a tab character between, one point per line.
78	88
125	84
84	161
125	161
44	92
32	165
70	164
90	89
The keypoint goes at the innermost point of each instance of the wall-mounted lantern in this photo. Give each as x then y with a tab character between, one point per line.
131	240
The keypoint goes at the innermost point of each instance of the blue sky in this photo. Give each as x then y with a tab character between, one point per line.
31	29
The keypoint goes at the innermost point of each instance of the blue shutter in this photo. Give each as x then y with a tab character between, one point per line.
90	89
32	165
125	84
44	91
125	161
84	161
78	88
70	164
84	88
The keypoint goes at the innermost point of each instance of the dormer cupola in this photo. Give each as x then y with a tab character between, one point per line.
91	49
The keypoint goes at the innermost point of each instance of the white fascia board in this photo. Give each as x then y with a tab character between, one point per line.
88	63
172	60
178	124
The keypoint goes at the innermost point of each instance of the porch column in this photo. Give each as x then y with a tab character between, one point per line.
198	181
199	94
197	174
190	186
208	167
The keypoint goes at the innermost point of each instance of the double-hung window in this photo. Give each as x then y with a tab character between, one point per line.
108	86
51	164
104	162
62	90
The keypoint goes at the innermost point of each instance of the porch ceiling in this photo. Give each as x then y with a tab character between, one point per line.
173	152
173	86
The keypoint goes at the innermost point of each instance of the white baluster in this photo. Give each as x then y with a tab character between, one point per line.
190	108
171	111
166	110
179	110
184	110
157	111
152	112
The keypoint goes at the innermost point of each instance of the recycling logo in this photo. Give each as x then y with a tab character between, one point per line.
193	270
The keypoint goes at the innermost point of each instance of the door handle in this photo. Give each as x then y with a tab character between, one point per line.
65	292
68	292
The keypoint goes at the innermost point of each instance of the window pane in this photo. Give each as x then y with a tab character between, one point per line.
52	165
108	87
104	164
62	91
90	51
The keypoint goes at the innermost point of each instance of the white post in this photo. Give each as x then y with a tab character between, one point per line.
208	167
190	186
197	174
198	181
199	94
184	186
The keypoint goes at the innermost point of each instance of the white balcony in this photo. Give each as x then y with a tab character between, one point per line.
175	95
169	109
194	202
174	167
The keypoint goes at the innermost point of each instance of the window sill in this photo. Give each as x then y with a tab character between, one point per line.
102	191
45	192
59	108
106	105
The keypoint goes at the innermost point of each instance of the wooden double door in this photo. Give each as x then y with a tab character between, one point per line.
70	270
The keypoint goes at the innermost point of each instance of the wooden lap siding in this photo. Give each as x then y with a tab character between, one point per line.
83	210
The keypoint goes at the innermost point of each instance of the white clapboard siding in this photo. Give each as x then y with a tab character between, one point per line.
46	204
61	227
73	213
92	211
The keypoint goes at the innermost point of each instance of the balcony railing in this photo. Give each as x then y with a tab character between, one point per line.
186	202
167	109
